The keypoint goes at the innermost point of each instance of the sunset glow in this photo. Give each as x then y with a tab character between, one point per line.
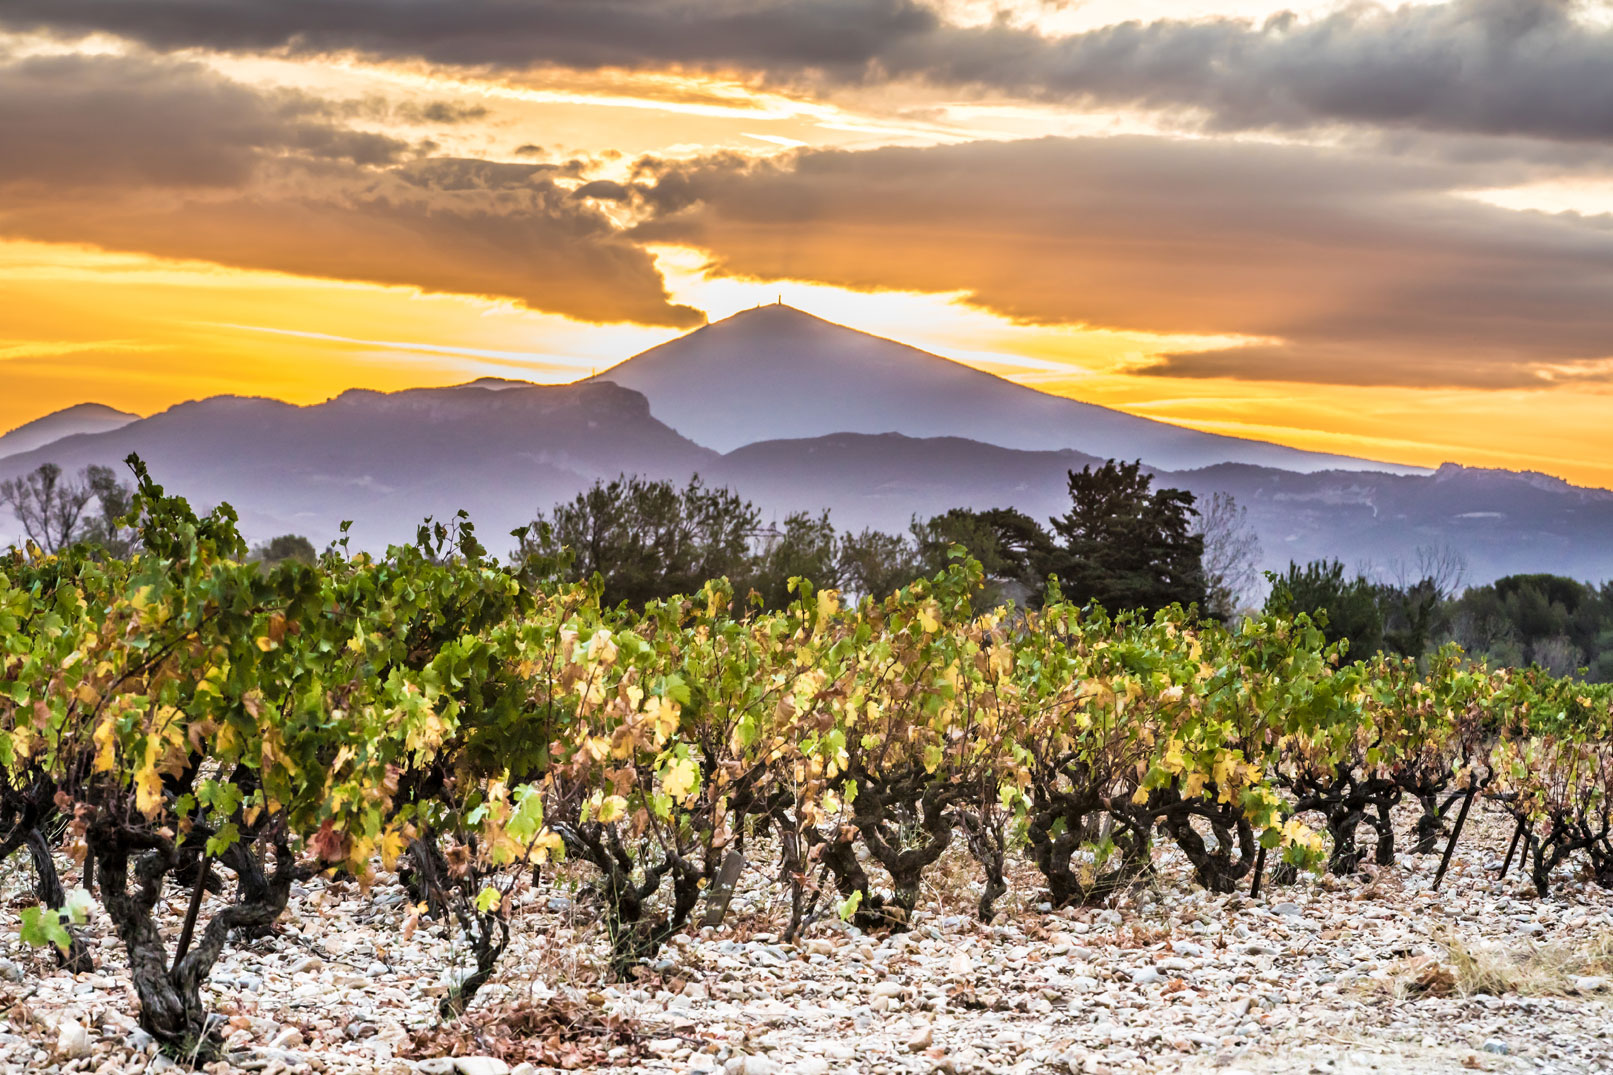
188	214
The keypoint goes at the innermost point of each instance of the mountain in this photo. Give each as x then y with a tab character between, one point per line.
775	372
504	450
1503	522
811	415
882	480
80	418
386	460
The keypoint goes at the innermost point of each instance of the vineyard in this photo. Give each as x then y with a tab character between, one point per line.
185	722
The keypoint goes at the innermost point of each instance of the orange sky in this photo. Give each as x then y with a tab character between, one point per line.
305	260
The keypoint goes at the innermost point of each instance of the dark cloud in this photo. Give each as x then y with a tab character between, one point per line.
1363	269
114	121
172	159
1495	67
440	112
833	35
605	190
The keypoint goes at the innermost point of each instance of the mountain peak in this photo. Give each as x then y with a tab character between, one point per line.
79	418
774	372
775	323
778	311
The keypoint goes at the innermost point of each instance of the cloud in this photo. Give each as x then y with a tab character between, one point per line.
170	158
838	35
440	112
115	121
1493	67
1353	268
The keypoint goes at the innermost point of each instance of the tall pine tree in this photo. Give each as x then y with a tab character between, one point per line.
1126	545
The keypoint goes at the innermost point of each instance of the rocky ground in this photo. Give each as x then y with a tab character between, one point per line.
1327	976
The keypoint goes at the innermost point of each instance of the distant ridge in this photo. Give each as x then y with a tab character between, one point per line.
79	418
813	415
1503	522
775	372
385	460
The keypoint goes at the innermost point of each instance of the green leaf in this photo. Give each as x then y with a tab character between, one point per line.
487	899
42	926
527	818
223	840
849	905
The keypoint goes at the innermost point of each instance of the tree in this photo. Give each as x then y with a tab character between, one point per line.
285	547
48	505
1231	556
1349	607
803	548
646	539
1416	606
1012	548
113	526
1556	622
55	511
1125	545
876	564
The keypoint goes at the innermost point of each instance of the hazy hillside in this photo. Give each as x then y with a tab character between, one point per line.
80	418
385	460
1503	522
503	449
882	480
776	372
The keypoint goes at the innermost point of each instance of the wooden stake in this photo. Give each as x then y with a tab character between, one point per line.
1456	834
1517	834
189	927
720	893
1260	868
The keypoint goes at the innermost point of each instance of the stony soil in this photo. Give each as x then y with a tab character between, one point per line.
1322	976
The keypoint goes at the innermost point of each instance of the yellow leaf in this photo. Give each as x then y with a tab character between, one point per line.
392	846
663	713
611	809
1173	761
22	743
148	791
105	746
680	778
547	845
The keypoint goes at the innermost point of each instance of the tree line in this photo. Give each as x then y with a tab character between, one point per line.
1560	624
1122	544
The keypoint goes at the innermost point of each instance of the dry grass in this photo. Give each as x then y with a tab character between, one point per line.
1472	967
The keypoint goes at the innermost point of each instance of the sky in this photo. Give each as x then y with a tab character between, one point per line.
1385	231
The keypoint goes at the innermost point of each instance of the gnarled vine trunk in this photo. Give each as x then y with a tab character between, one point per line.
171	1007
